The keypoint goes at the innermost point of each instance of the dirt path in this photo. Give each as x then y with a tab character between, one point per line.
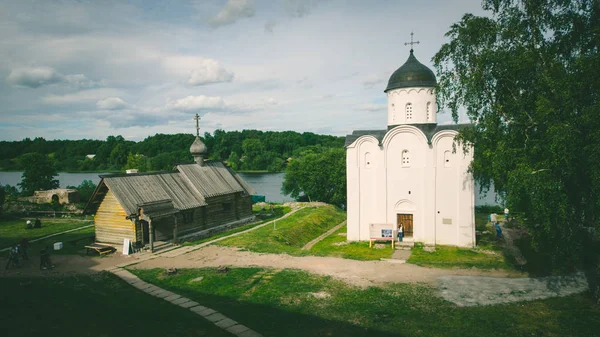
309	245
359	273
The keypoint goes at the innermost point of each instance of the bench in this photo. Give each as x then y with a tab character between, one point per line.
101	249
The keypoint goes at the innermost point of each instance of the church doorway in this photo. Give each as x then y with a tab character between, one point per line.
407	222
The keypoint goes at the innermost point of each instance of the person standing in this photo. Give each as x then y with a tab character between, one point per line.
506	214
400	233
29	225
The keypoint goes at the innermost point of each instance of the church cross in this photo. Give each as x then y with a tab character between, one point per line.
411	43
197	118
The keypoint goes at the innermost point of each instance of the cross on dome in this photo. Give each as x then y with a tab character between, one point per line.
411	43
197	118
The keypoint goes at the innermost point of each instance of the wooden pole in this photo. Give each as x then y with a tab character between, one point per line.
150	232
175	230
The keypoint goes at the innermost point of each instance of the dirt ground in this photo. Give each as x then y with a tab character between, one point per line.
358	273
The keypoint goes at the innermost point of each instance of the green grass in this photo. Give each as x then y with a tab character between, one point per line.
281	303
98	305
278	212
289	235
454	257
12	229
351	250
73	243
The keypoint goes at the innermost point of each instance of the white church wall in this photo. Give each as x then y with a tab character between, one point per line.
455	221
405	181
446	200
419	98
352	195
371	181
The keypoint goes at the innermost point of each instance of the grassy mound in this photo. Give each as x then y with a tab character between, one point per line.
290	234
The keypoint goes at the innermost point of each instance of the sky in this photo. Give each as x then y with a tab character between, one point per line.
89	69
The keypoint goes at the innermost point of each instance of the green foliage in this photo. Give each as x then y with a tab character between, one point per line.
320	176
93	306
528	75
264	150
38	173
288	300
136	161
2	197
86	189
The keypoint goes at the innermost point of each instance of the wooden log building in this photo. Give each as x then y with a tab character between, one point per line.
146	207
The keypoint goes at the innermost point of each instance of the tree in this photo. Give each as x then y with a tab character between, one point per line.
234	160
38	173
318	176
528	77
2	197
136	161
86	189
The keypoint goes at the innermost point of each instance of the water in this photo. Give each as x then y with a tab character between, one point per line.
267	184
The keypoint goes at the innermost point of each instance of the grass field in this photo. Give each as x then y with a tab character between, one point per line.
99	305
333	246
12	229
295	303
262	216
289	235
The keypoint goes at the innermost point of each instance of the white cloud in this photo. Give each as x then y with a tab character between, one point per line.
209	71
197	103
35	77
111	103
271	101
233	11
81	97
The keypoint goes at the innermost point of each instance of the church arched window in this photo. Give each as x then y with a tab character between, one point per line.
428	111
447	161
405	158
409	111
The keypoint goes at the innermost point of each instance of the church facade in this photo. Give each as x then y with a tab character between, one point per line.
412	173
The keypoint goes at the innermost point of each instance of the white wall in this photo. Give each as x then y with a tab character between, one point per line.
418	97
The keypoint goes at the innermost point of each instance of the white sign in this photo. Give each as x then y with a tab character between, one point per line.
126	246
382	231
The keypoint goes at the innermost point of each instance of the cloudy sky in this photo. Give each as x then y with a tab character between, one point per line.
89	69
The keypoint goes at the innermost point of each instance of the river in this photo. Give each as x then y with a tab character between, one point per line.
267	184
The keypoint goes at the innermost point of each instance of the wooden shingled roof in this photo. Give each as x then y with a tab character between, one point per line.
187	188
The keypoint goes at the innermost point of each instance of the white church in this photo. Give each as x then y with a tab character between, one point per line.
412	173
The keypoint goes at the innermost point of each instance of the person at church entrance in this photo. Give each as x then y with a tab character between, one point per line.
400	233
506	214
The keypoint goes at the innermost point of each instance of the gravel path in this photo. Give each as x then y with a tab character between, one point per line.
472	291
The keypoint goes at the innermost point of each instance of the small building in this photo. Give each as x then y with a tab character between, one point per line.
412	174
60	195
205	197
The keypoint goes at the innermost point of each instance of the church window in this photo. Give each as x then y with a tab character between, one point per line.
447	162
408	111
405	158
428	111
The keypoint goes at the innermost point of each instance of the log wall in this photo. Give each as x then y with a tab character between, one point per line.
110	223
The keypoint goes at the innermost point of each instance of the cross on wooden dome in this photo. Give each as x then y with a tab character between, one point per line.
411	43
197	118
